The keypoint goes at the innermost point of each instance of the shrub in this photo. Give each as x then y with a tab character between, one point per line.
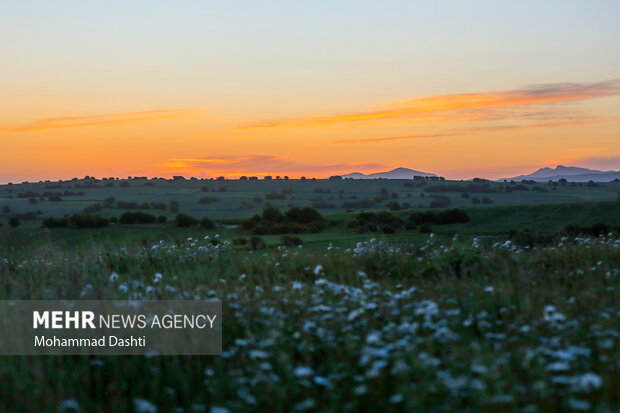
162	219
426	229
89	221
206	223
296	220
183	220
291	241
240	241
131	218
374	222
303	215
14	222
52	222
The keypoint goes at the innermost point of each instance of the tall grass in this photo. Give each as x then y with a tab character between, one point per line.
442	324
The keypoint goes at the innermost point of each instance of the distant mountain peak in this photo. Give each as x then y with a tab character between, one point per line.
570	173
396	173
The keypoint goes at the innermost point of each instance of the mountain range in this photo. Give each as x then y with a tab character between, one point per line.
398	173
570	173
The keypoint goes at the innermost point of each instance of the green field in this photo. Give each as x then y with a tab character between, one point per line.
509	312
244	198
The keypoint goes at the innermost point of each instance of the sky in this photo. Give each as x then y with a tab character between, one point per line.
202	88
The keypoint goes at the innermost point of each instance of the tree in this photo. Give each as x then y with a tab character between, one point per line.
268	178
14	222
174	206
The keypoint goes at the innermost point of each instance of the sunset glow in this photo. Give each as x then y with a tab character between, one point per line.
313	90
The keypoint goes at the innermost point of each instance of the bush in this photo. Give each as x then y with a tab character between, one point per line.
89	221
291	241
240	241
14	222
52	222
183	220
373	222
131	218
296	220
206	223
303	215
426	229
162	219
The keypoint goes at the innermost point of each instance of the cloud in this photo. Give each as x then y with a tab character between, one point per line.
110	119
464	106
467	131
258	165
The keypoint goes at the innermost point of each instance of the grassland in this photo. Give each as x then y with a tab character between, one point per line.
467	318
245	198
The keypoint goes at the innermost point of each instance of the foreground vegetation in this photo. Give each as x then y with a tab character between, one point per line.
402	322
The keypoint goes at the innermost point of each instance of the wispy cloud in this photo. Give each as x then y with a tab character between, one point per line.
110	119
464	106
467	131
259	165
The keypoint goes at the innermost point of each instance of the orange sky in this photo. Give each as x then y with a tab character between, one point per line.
161	90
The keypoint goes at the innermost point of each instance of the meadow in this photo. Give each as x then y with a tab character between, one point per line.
510	311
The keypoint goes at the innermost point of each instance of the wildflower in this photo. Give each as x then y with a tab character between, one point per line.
123	287
305	405
587	382
576	404
322	381
218	409
69	405
551	314
318	269
157	277
360	390
558	366
144	406
489	289
88	288
113	277
303	372
396	398
258	354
